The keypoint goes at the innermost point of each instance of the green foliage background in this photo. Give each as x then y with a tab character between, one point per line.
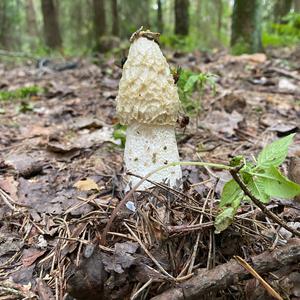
209	25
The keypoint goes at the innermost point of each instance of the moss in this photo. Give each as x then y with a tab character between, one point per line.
21	93
240	47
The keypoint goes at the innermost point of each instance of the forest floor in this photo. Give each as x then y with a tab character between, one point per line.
61	175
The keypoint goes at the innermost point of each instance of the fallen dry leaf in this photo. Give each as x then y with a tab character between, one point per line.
86	185
30	256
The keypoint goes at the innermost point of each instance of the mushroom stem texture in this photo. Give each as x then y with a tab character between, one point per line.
149	147
148	103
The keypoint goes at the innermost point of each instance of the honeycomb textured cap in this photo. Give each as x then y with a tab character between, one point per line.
147	93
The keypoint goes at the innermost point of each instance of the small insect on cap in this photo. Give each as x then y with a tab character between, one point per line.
147	93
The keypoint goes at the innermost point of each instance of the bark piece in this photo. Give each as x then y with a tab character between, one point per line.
231	273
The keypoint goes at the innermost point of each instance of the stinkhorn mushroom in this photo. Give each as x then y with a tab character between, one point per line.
148	103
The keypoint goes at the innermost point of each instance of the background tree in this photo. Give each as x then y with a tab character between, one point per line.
98	25
297	6
219	7
135	13
281	9
31	23
246	27
4	25
99	21
51	26
115	17
160	23
182	17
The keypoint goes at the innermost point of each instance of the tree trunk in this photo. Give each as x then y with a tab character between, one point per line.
145	13
246	27
220	15
160	22
3	22
51	26
31	24
297	6
99	21
115	17
281	9
76	22
182	17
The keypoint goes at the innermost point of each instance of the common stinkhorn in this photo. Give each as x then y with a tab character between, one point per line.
148	103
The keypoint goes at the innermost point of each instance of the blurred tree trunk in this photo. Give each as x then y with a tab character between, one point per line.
281	9
198	19
297	6
246	27
31	24
76	22
145	13
160	22
115	17
3	26
99	21
219	4
51	26
182	17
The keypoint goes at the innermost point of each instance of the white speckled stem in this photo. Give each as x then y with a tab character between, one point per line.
149	147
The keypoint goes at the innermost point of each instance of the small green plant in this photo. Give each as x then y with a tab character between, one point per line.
189	83
119	134
21	93
262	178
25	107
283	34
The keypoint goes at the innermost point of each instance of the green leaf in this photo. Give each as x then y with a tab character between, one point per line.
231	194
275	153
277	185
224	219
236	161
189	85
256	185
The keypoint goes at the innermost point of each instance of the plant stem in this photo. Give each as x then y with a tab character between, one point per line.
235	174
173	164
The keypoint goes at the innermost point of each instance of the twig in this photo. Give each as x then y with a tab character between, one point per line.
269	289
124	200
134	296
285	73
6	201
188	228
272	216
223	276
148	253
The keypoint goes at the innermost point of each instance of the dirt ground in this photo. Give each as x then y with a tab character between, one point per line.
61	176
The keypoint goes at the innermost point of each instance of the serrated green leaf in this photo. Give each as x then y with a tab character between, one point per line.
256	185
224	219
189	85
231	194
275	153
277	185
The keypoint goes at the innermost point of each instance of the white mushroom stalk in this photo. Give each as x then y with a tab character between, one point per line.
148	103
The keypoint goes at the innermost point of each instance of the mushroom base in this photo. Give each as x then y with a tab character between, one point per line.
149	147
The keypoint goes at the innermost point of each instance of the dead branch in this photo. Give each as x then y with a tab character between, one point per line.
223	276
285	73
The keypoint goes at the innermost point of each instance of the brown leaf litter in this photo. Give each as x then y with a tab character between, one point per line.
61	177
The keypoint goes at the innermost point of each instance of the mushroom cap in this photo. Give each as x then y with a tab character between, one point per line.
147	92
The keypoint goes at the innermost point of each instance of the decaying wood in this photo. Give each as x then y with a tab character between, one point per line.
231	273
